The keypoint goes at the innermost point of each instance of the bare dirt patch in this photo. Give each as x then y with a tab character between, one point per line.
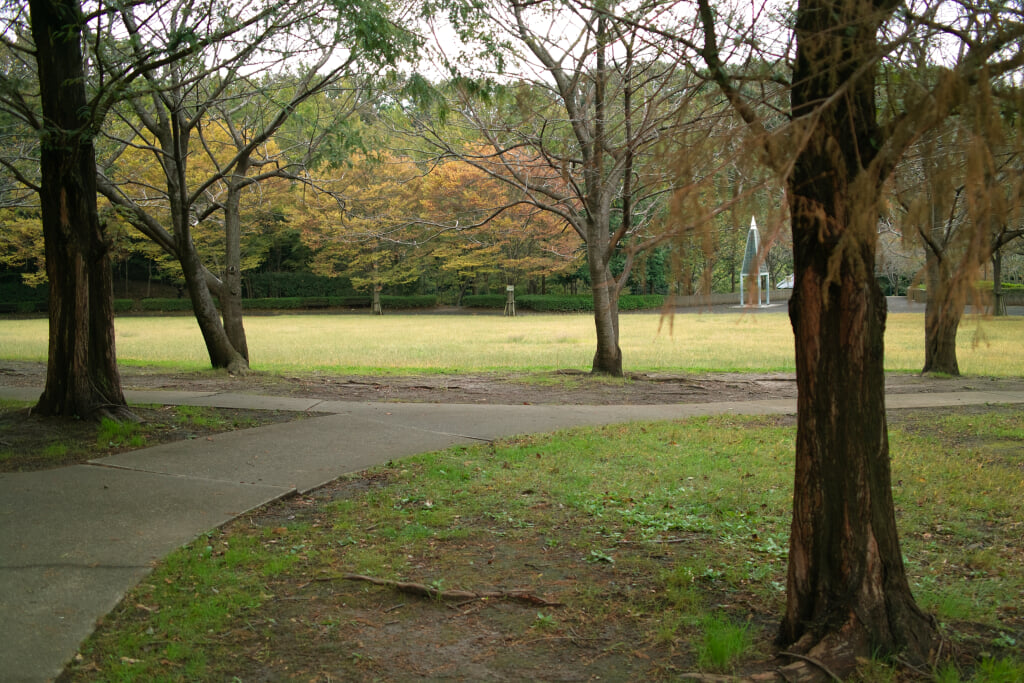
562	387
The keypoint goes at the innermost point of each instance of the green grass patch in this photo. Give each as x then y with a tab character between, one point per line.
404	344
723	643
118	434
198	416
664	543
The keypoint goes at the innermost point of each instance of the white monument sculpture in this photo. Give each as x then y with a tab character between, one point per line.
754	267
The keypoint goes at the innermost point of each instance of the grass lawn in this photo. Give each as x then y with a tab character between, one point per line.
629	552
403	344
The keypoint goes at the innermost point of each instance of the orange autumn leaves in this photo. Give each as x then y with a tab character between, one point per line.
390	219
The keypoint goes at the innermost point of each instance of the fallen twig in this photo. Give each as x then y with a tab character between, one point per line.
433	593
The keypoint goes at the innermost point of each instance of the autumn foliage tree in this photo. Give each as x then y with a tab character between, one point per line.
220	111
390	220
58	93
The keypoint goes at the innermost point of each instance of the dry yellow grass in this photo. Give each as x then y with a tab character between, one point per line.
467	343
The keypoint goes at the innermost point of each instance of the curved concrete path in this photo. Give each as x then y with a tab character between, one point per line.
73	540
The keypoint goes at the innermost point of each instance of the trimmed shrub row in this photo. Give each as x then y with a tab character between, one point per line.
988	286
42	306
165	305
288	303
23	306
563	304
410	301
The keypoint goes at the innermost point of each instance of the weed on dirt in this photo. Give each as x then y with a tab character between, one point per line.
623	553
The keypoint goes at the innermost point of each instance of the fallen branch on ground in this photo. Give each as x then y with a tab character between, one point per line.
424	591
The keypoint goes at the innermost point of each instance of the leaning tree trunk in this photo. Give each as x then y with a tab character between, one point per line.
218	345
942	312
81	374
847	591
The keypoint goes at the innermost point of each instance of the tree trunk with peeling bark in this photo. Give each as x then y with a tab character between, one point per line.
847	591
81	375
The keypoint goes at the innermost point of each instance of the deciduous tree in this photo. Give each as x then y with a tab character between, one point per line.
582	134
44	47
847	589
225	105
82	377
960	192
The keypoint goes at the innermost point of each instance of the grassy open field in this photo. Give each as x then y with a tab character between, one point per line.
466	343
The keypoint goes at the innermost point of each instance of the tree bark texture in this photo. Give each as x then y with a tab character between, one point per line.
231	291
942	312
218	346
998	302
174	134
847	592
81	375
605	289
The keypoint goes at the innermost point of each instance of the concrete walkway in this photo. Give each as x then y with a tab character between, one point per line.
74	540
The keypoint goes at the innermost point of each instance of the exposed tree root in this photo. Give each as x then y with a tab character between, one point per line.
424	591
114	411
815	662
239	367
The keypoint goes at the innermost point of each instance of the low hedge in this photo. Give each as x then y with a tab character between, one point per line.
988	286
414	301
283	303
555	304
641	302
562	304
42	306
22	306
165	305
352	301
485	300
306	302
290	303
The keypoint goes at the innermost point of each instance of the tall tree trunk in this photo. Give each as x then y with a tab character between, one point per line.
943	309
608	356
81	374
847	591
998	302
231	291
